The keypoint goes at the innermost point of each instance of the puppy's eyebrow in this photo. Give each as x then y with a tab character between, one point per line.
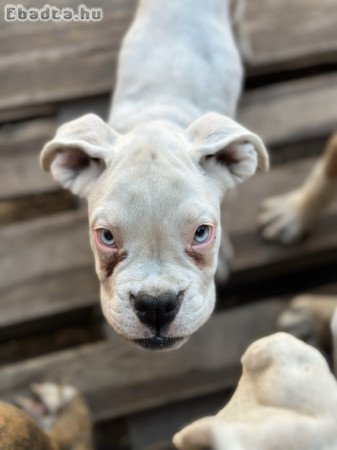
198	217
109	266
102	219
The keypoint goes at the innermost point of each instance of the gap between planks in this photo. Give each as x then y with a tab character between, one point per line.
118	379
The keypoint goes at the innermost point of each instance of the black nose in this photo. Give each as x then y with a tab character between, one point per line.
157	311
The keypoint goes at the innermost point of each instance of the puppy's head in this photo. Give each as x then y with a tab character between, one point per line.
154	198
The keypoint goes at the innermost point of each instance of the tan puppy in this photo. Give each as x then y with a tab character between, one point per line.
286	400
61	421
156	174
288	217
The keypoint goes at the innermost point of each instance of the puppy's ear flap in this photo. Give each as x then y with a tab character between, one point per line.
77	155
226	151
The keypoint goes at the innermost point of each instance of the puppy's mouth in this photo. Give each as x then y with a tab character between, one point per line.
159	342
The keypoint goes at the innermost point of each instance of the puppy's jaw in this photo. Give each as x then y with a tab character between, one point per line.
195	310
160	344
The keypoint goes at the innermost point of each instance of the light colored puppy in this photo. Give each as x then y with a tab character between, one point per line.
286	400
155	175
286	218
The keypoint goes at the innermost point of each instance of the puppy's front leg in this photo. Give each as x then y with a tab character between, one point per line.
309	316
288	217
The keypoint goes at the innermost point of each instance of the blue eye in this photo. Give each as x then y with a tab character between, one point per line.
202	234
106	237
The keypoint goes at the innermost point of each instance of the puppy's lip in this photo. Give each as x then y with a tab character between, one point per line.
158	342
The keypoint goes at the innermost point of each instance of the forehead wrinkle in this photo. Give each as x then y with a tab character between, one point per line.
196	216
108	215
140	144
159	195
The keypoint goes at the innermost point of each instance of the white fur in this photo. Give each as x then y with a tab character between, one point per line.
286	399
165	160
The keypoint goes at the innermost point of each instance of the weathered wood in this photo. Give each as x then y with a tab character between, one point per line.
33	206
20	145
118	379
251	251
280	179
288	34
53	61
46	268
39	259
292	111
44	62
27	112
153	429
282	113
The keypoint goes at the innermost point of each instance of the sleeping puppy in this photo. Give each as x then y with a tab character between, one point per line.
156	173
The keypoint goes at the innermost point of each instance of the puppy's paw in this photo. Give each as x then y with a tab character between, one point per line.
298	317
309	316
283	218
46	402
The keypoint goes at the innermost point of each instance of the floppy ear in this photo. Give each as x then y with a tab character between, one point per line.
76	156
226	151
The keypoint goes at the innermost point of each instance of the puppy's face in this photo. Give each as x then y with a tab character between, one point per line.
154	199
154	225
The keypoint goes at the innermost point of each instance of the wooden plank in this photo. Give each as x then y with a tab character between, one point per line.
39	258
47	62
280	179
46	268
36	205
251	251
282	113
54	61
154	429
118	379
27	112
288	34
20	145
292	111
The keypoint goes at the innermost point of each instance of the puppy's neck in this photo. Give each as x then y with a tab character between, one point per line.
178	61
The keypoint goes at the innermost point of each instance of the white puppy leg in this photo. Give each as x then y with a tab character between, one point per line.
286	399
286	218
